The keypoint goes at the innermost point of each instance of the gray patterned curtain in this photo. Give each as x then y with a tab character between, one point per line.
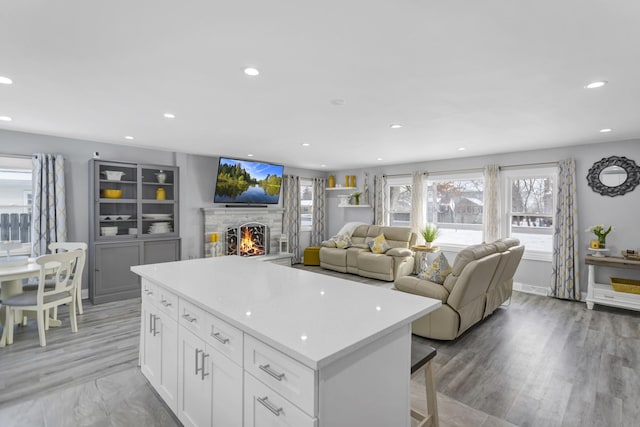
418	202
379	183
49	223
318	225
491	213
291	214
565	261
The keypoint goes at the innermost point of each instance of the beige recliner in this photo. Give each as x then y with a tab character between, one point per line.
481	280
358	259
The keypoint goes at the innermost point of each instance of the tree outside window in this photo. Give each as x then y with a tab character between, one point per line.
531	210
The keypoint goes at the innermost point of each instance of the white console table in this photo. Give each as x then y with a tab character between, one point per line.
601	293
232	342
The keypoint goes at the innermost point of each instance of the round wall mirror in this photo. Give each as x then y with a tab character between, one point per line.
614	176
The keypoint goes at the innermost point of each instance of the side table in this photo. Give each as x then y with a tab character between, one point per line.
422	252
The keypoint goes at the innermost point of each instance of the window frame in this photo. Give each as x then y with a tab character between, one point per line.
21	165
395	181
306	182
507	177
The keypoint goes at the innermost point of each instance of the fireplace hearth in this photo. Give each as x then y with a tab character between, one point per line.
251	239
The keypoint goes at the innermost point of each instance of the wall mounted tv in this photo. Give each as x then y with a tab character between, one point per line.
248	182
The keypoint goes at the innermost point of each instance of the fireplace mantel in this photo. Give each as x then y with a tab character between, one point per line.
227	211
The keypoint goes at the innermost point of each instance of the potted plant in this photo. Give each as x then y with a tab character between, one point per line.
601	234
356	197
430	233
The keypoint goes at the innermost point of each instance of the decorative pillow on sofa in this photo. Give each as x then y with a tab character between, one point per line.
378	245
343	241
437	271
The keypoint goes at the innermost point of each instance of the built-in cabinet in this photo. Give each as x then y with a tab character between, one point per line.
603	293
133	220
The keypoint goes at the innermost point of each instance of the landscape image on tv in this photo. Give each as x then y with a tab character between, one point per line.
242	181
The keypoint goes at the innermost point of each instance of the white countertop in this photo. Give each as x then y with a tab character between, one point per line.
312	317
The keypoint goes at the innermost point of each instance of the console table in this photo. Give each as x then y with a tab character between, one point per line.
600	293
231	342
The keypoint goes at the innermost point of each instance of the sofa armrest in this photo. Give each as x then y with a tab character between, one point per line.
399	252
425	288
328	244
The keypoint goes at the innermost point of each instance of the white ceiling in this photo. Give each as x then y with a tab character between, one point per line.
491	76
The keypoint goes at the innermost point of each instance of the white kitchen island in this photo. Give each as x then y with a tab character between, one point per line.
231	342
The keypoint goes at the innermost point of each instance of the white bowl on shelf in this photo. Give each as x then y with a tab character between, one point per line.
114	175
109	231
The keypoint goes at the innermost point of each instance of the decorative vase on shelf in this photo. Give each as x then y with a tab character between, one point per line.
602	243
346	180
357	199
161	176
332	181
352	181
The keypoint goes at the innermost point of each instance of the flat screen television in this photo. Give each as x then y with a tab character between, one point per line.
248	182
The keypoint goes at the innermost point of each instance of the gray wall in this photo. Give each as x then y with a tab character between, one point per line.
621	211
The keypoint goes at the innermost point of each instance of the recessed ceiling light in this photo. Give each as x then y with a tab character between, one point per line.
323	166
305	144
594	85
338	102
249	155
395	126
605	130
169	116
5	80
129	137
379	158
5	119
250	71
461	149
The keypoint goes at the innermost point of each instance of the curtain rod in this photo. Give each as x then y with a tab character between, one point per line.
530	164
15	156
476	169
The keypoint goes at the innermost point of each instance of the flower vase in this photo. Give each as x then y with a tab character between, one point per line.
602	243
357	199
427	245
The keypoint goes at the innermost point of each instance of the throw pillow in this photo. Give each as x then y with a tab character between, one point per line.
379	245
343	241
437	271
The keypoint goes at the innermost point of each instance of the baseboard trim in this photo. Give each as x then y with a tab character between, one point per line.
530	289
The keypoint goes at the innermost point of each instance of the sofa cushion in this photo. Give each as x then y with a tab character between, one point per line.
379	244
328	243
438	271
375	263
421	287
343	241
471	253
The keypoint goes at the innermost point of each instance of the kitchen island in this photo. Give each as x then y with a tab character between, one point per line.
230	342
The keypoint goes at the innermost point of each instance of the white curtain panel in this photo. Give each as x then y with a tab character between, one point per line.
418	202
291	214
318	225
565	263
491	212
49	223
379	183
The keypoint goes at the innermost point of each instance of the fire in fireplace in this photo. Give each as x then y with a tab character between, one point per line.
248	240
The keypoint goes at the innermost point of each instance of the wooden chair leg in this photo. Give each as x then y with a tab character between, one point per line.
79	300
72	316
430	419
41	325
8	325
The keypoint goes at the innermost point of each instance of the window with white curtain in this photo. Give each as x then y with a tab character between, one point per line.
398	199
530	198
454	203
16	198
306	204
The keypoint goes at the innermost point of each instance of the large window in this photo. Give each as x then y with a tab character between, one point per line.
306	203
454	204
530	204
399	201
15	202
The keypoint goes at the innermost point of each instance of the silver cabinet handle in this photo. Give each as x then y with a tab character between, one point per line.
266	368
197	353
202	372
155	326
189	319
220	338
148	292
150	323
265	402
165	303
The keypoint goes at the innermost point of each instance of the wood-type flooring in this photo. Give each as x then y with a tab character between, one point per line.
539	362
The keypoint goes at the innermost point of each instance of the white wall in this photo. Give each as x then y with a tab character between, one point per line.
621	211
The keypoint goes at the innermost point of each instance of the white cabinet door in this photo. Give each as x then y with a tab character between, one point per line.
150	355
226	399
194	387
167	334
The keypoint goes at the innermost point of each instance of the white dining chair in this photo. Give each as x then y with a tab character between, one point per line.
67	273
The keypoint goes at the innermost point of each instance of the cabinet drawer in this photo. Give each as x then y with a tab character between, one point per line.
167	302
149	291
611	295
192	317
225	338
288	377
263	406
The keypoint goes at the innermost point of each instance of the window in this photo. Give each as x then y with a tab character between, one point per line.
454	204
15	201
530	199
306	203
399	201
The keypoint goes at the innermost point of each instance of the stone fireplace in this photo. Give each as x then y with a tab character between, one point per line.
218	220
250	239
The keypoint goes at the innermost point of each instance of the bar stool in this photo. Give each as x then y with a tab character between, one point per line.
426	354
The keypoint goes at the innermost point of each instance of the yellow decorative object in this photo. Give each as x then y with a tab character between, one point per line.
352	180
379	245
214	237
112	194
625	285
594	244
346	180
332	181
312	255
161	194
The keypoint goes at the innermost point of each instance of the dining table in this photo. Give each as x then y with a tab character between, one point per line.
11	276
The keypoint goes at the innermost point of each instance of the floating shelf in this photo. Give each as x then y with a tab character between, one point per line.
354	206
341	188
